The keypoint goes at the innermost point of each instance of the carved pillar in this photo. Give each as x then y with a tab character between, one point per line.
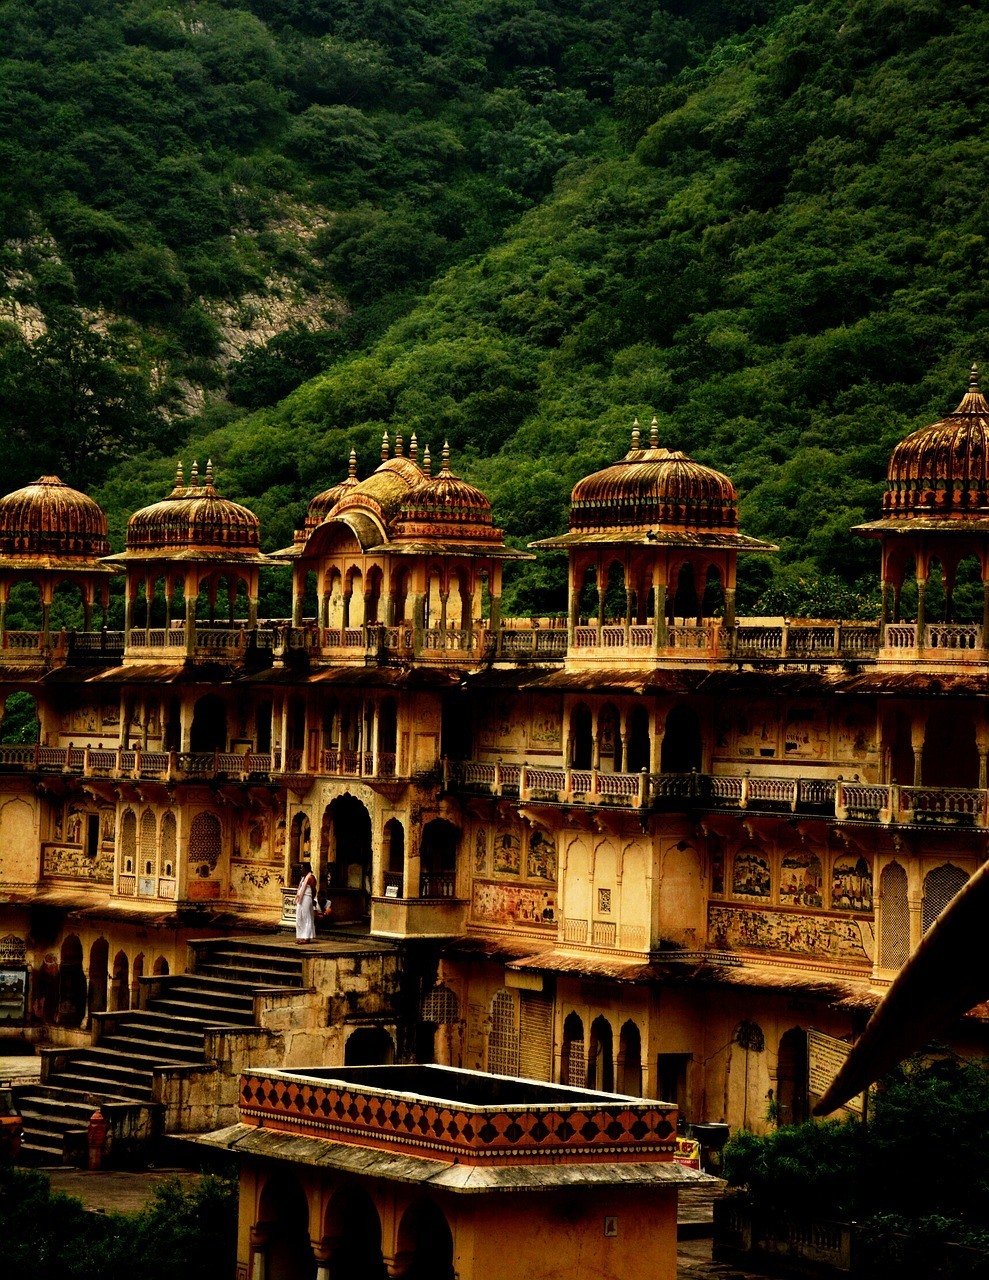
260	1238
918	728
729	618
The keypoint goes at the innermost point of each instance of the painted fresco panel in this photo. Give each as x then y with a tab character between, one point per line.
750	877
824	938
509	904
851	884
801	880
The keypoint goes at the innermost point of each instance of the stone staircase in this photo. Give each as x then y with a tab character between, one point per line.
117	1070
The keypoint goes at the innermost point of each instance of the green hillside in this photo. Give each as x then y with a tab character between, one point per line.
774	239
212	199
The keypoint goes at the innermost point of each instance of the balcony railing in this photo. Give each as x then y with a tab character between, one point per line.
855	801
124	762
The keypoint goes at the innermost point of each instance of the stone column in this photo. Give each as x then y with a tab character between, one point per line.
918	728
298	595
985	613
259	1254
921	612
729	619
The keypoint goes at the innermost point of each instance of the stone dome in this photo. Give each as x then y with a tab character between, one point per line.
194	518
48	518
943	469
652	488
447	506
324	502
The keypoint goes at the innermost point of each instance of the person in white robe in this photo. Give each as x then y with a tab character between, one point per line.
306	906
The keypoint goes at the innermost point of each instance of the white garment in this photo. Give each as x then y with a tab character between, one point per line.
305	910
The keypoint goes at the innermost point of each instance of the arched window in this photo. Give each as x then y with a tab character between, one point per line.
71	983
639	752
149	841
128	841
205	843
894	918
169	844
503	1038
940	886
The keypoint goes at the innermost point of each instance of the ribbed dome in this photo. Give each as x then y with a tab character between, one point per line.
651	488
943	469
194	518
47	518
446	504
324	502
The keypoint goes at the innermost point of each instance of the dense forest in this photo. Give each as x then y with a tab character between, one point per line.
268	231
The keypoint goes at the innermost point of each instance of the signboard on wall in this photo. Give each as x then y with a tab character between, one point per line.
13	995
825	1058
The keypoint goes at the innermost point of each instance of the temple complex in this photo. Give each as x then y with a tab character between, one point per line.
644	848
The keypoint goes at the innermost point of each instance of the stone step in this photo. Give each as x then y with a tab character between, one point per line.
253	956
255	975
206	1014
39	1154
206	990
154	1053
161	1029
109	1076
77	1079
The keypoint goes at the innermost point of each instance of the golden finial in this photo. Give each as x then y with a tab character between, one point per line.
427	465
636	434
179	476
446	457
384	447
194	475
352	465
414	447
399	445
973	378
654	433
209	471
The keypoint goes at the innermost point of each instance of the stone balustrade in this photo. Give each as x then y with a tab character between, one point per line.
837	798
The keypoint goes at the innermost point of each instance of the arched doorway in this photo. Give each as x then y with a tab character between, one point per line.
283	1230
394	851
951	755
136	974
581	738
682	748
120	983
369	1047
425	1243
438	859
630	1060
791	1077
160	967
209	724
352	1236
639	747
99	975
572	1063
71	983
601	1056
346	845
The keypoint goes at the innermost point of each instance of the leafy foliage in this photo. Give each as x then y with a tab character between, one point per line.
926	1116
765	221
49	1236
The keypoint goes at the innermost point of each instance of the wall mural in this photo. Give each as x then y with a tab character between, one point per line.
801	880
508	904
805	734
508	853
750	875
734	928
545	726
540	863
851	884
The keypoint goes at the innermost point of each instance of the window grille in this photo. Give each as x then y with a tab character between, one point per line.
940	886
894	918
503	1039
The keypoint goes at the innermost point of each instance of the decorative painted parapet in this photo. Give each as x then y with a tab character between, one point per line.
574	1125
